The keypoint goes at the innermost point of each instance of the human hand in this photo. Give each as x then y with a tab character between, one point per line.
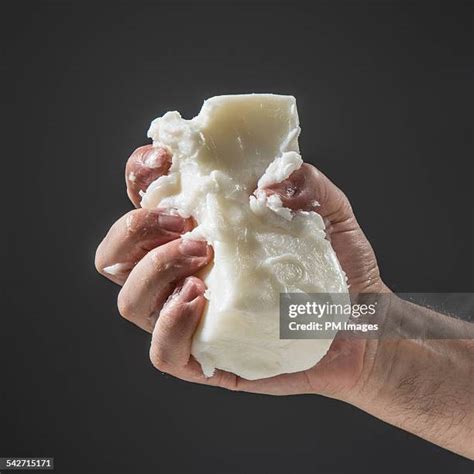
408	383
337	374
152	266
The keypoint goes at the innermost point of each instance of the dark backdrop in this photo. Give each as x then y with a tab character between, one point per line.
385	100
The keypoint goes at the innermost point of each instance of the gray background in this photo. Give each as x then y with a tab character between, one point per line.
385	100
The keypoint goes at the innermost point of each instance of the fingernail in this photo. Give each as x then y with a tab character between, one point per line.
193	248
184	293
171	223
188	291
155	157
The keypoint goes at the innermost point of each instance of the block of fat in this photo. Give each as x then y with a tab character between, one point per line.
220	160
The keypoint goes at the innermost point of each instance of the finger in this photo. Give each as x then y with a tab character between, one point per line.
145	165
171	344
132	237
154	277
170	349
172	336
308	189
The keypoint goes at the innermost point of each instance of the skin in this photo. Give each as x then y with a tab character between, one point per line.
422	386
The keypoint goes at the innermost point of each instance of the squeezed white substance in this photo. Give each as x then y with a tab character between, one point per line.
117	269
237	144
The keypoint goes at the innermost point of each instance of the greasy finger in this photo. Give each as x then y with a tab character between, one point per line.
155	276
132	237
172	336
145	165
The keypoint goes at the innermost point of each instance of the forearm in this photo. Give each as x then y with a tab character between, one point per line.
424	386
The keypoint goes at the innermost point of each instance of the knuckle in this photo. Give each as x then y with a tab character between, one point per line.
135	222
124	306
99	260
158	360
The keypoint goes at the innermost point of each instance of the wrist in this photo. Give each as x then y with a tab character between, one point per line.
421	385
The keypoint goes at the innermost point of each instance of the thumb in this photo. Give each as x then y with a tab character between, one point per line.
308	189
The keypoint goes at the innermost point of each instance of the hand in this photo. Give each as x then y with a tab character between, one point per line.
422	386
155	267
